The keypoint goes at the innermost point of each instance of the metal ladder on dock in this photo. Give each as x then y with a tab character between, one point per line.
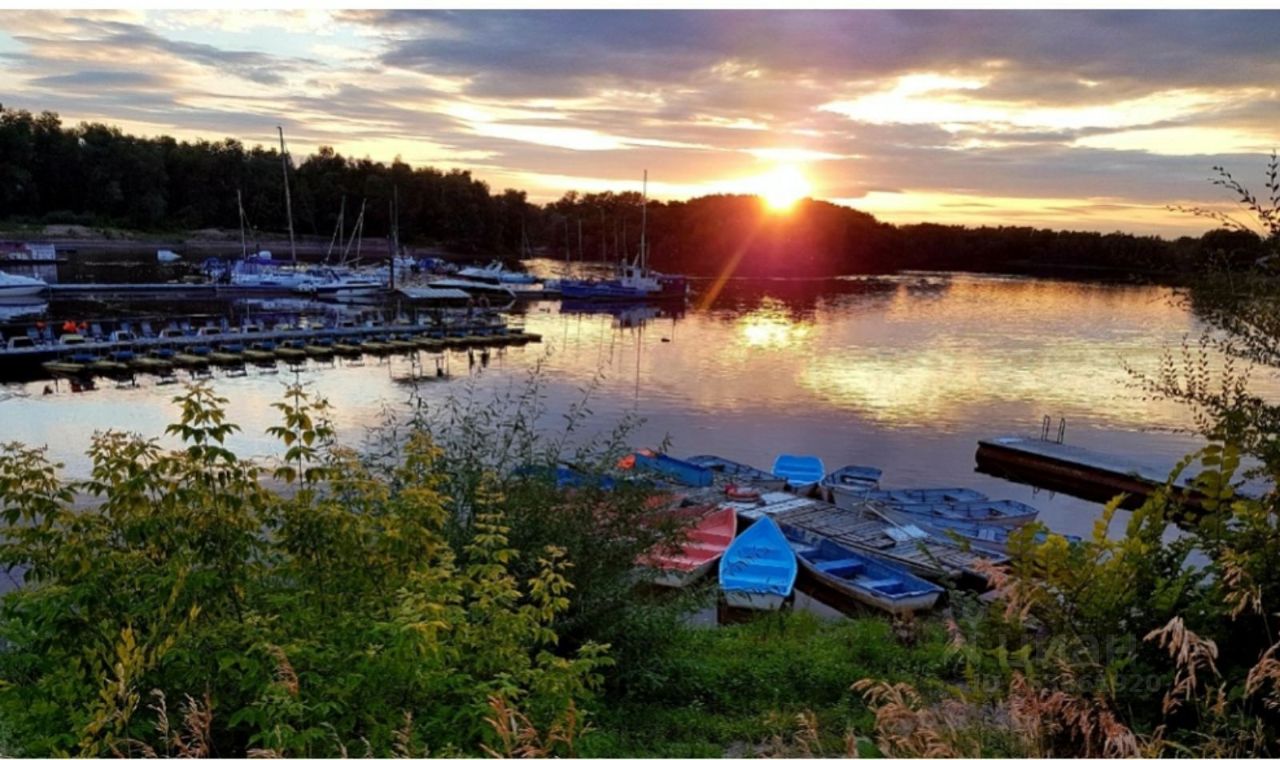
1062	428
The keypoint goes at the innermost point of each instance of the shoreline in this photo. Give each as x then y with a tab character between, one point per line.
194	244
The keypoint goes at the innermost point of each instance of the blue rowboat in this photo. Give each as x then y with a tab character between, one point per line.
860	577
741	474
758	571
567	477
983	535
1003	512
852	477
681	471
802	473
927	495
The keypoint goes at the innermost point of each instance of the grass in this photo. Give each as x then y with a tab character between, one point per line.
738	690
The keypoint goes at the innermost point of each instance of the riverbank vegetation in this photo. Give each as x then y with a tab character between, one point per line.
94	175
434	593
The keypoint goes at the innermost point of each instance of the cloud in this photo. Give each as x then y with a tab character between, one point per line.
1079	114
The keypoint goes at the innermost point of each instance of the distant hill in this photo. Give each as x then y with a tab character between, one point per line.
94	175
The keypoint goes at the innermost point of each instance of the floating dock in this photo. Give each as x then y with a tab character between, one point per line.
157	289
28	362
1080	472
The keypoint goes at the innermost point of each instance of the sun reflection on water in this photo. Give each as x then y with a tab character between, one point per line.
770	326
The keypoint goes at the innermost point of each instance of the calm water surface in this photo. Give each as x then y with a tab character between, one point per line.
905	373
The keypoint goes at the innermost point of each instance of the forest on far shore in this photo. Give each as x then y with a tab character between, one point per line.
96	175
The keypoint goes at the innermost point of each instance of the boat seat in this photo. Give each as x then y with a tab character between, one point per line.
840	566
885	586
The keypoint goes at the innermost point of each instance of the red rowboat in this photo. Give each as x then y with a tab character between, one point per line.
705	541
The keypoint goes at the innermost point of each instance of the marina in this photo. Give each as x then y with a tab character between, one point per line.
681	369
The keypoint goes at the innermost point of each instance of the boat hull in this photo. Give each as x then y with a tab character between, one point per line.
21	291
672	578
752	600
758	571
729	471
894	607
923	512
683	472
802	473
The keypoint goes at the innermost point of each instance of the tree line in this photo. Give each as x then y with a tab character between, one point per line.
96	175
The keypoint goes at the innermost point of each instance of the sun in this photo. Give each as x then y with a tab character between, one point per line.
783	186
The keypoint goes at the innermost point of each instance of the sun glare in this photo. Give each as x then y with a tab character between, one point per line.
783	186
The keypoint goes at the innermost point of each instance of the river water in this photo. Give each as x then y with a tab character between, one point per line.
904	372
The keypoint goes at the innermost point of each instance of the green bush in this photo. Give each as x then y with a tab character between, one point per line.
197	610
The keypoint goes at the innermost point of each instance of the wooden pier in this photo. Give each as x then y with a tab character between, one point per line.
1080	472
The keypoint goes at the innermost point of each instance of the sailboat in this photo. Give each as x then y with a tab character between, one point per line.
635	281
260	272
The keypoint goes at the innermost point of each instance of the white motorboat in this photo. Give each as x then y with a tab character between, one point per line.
497	274
20	286
435	297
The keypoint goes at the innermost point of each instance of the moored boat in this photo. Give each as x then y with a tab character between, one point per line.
194	356
859	576
1001	512
802	473
19	286
705	540
261	351
497	273
321	348
292	350
348	347
684	472
874	530
398	343
851	477
758	570
153	362
74	365
566	476
229	353
927	495
984	535
113	363
736	473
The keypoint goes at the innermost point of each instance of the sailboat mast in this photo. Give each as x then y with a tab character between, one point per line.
644	222
337	230
244	248
288	203
356	231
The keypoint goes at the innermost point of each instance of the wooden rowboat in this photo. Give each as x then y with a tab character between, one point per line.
859	576
1006	512
851	477
705	541
743	475
758	571
681	471
983	535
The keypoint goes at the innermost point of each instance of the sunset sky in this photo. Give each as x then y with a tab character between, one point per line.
1067	119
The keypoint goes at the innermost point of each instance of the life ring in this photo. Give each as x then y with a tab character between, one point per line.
734	492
